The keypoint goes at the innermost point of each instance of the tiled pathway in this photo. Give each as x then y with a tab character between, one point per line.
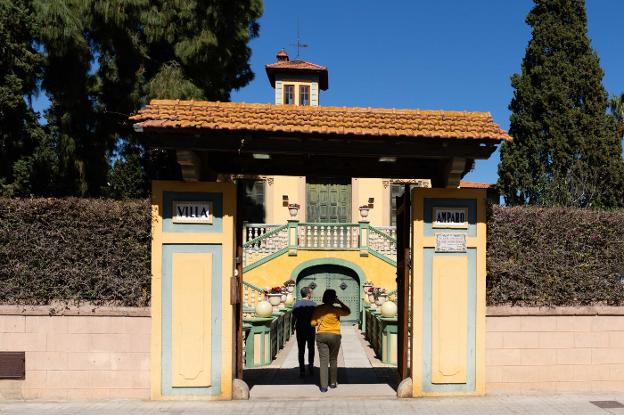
360	374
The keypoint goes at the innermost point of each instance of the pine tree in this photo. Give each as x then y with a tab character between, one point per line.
565	149
27	162
127	177
105	58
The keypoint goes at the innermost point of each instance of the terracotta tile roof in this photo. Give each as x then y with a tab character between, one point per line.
297	66
475	185
232	116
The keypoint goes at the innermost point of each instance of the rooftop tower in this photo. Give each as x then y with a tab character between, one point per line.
296	82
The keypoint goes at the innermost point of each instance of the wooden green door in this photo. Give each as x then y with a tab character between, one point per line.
328	201
343	280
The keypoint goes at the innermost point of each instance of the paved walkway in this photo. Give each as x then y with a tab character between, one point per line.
572	404
360	374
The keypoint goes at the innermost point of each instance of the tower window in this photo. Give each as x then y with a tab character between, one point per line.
289	94
304	95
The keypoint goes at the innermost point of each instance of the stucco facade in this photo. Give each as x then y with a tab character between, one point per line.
280	269
362	190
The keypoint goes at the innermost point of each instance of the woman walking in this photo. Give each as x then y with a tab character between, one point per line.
326	319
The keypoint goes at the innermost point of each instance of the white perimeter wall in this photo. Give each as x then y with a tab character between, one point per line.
555	350
105	354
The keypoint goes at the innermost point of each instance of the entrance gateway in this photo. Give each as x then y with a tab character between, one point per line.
193	294
197	270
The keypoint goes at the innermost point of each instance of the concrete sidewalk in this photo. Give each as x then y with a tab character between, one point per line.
571	404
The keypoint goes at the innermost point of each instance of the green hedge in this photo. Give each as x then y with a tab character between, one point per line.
77	250
555	256
98	251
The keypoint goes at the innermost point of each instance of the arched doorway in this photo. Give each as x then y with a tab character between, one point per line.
342	279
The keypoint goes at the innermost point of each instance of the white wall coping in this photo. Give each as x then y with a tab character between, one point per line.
61	309
594	310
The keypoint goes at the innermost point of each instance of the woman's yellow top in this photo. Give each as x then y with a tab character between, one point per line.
326	318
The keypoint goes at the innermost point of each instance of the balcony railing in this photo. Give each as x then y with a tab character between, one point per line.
263	242
254	230
252	295
341	236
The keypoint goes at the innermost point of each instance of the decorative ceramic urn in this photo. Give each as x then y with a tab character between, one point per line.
293	208
290	300
275	299
264	309
381	299
364	211
388	309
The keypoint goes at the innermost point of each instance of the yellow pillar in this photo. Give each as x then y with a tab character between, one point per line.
448	292
193	343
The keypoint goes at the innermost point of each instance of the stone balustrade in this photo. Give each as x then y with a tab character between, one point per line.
263	242
382	334
264	337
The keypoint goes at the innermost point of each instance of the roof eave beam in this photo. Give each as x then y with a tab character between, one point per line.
452	172
329	145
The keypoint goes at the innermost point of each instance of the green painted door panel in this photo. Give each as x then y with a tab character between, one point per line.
328	202
343	280
348	290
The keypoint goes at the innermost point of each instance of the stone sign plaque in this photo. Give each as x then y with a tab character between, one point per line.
192	212
450	242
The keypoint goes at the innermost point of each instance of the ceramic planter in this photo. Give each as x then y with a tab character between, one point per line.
275	299
381	298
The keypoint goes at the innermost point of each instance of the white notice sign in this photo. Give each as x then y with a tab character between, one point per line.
192	212
450	217
450	242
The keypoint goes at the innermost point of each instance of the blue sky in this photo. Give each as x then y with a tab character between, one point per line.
451	54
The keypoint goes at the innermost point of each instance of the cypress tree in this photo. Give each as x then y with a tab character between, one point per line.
616	106
565	150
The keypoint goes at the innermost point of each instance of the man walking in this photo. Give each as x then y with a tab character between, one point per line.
302	313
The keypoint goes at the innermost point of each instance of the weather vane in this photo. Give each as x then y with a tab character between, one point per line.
299	45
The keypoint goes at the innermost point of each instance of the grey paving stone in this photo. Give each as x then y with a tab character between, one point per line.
568	404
